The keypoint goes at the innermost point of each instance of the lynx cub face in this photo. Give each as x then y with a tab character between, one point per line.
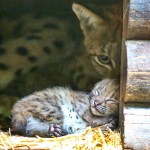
104	98
102	40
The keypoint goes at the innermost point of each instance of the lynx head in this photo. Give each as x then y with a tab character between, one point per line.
104	98
102	39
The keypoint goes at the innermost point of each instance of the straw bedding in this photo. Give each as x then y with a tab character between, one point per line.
89	139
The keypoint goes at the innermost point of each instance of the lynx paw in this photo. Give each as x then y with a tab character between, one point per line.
113	124
54	130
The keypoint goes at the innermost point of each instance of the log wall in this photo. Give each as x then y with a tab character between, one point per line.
137	126
138	71
135	75
137	13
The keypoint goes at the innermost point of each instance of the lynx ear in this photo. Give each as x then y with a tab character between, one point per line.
88	20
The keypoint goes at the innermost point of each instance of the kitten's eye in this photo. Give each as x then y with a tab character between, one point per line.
95	93
104	59
111	101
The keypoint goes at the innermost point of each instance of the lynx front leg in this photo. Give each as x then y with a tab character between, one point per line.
113	124
36	127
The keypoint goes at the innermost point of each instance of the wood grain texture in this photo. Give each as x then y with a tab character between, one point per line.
137	19
135	75
137	126
138	71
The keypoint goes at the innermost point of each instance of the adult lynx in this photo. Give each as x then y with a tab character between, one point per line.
102	38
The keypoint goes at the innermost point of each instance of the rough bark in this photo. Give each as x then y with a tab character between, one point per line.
138	71
137	16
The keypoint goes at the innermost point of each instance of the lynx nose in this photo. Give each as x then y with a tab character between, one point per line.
96	103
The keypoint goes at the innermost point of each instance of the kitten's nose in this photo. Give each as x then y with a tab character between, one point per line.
96	102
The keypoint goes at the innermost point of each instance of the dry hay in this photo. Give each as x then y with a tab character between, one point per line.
90	139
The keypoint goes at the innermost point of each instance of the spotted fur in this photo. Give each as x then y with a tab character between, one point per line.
44	42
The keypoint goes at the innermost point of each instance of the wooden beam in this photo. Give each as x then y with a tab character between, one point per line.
137	19
137	86
136	129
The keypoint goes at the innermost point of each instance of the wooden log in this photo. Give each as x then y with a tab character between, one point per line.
137	19
137	86
123	72
136	129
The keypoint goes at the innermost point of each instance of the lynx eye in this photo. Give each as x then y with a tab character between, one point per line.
111	101
95	93
104	59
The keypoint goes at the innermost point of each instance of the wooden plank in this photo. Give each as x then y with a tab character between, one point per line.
123	73
125	18
137	19
136	129
137	86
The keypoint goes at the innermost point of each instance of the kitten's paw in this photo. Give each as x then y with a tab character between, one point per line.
113	124
54	130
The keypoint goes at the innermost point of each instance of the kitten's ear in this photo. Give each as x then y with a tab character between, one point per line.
88	20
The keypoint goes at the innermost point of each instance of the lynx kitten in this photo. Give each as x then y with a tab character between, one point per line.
59	111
